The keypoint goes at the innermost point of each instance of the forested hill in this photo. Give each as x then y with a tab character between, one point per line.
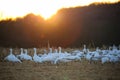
70	27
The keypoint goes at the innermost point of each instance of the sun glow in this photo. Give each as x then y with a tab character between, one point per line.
45	8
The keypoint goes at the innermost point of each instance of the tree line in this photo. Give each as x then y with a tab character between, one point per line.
70	27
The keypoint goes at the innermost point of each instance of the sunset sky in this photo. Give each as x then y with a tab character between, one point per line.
45	8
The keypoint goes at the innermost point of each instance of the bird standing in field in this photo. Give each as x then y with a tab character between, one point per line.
11	57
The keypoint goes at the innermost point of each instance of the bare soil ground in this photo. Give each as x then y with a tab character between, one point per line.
75	70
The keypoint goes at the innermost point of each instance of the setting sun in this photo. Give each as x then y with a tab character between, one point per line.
45	8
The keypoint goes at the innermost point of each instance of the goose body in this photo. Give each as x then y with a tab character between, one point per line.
51	56
105	59
12	58
26	56
89	55
21	55
36	58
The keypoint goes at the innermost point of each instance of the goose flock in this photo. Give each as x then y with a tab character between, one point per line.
110	55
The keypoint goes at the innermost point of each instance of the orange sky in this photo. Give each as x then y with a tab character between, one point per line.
45	8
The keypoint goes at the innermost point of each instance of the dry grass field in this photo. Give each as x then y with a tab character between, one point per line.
75	70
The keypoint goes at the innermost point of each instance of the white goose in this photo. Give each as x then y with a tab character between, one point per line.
26	56
60	50
97	54
49	57
21	55
12	58
105	59
36	58
50	51
66	57
89	55
85	49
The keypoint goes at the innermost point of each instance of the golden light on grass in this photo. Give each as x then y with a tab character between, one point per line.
45	8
